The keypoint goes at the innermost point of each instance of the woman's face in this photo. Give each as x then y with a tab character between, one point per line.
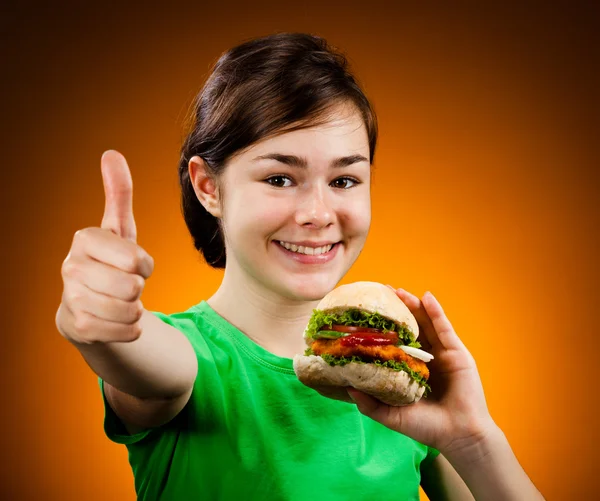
295	194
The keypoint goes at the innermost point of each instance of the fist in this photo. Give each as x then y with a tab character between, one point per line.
105	271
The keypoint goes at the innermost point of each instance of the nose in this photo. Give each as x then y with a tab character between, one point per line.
315	209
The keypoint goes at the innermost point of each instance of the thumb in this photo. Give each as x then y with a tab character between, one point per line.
389	416
413	420
118	192
368	405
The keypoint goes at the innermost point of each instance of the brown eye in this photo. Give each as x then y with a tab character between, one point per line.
343	183
278	181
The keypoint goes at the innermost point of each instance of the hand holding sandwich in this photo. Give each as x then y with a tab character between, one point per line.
364	345
455	413
454	418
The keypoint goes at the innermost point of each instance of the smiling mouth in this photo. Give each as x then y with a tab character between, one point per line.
305	250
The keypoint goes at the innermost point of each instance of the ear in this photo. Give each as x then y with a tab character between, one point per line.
204	186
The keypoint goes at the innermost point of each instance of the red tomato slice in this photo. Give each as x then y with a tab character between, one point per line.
352	328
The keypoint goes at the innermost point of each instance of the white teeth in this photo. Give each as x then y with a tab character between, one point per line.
311	251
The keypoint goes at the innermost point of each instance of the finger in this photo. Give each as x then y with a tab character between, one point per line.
442	326
429	338
107	248
369	406
395	418
118	191
87	328
413	420
83	300
105	279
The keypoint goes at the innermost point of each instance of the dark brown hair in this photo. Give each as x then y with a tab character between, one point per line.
265	86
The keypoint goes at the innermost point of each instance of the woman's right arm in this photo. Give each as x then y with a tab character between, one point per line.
148	366
146	381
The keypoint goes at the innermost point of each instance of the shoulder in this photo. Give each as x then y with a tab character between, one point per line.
195	323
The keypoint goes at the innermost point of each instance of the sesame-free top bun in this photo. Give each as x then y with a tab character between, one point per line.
392	387
372	297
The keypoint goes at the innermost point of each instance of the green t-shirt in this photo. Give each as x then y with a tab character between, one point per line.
252	431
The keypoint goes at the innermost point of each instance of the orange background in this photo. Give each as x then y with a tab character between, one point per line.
485	192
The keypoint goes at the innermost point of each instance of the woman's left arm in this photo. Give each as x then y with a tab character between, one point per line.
496	476
441	482
454	419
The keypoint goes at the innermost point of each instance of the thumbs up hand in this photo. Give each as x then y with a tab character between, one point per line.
105	271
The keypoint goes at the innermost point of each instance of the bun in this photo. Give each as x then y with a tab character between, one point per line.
372	297
390	386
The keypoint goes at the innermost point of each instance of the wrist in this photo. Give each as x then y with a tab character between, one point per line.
490	469
485	442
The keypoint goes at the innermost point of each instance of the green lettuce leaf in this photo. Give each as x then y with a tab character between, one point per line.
390	364
358	318
325	334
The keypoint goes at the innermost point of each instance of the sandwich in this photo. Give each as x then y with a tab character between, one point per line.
362	335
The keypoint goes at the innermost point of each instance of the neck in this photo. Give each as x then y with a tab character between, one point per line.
272	321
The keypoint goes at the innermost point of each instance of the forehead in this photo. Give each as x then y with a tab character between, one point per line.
342	133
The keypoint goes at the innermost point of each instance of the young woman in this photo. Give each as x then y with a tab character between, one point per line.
275	178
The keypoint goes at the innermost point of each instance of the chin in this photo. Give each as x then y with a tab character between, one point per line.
313	288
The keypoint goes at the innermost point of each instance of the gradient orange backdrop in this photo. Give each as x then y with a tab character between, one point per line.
485	192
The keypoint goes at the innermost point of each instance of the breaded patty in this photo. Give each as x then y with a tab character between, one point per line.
334	348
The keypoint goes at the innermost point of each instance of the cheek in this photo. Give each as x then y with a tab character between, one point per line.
253	217
357	216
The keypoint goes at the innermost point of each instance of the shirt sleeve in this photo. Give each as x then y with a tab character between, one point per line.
431	455
114	428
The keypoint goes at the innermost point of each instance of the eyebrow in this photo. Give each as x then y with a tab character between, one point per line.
302	163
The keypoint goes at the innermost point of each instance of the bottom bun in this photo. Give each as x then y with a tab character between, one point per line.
391	387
